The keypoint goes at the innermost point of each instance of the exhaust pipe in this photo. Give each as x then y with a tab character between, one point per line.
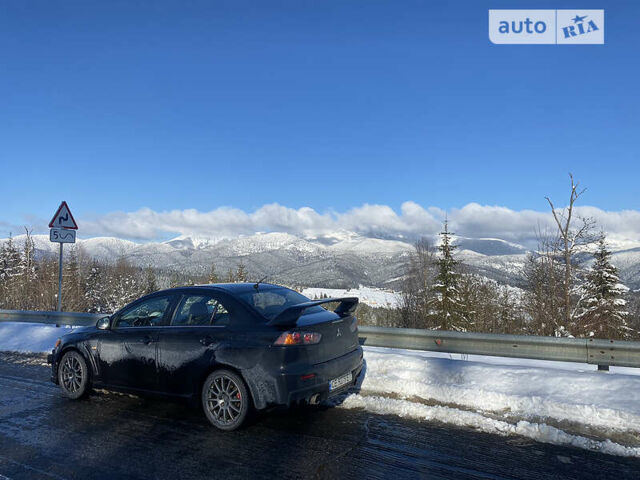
315	399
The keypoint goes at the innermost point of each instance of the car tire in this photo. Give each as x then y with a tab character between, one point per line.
73	375
225	400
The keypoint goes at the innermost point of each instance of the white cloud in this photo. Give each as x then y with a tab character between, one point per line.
412	220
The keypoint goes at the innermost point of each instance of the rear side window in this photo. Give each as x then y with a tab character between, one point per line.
200	310
272	302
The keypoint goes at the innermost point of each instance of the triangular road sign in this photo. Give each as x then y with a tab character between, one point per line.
63	218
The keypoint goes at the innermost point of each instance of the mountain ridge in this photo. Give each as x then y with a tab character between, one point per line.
344	260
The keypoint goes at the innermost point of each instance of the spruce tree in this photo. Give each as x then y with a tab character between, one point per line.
602	306
10	275
95	286
241	273
231	276
26	271
73	290
150	282
213	275
448	307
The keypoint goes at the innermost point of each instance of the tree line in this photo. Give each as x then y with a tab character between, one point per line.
89	285
559	297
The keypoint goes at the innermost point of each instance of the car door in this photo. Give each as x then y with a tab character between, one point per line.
128	351
187	346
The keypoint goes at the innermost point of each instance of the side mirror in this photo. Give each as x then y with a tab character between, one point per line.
103	323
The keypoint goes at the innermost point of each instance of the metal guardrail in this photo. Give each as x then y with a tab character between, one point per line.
519	346
51	318
603	353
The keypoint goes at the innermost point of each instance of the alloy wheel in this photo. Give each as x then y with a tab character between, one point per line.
224	400
72	374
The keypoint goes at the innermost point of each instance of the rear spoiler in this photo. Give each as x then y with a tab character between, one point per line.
290	316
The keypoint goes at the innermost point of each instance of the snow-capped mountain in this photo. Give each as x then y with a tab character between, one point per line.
340	260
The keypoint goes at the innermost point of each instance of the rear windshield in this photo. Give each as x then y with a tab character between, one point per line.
273	301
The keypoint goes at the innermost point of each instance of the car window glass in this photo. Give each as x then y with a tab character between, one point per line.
149	313
272	302
200	310
222	315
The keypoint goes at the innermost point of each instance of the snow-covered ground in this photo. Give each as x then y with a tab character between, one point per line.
374	297
30	337
551	402
559	403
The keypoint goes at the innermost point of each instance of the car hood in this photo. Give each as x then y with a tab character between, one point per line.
79	331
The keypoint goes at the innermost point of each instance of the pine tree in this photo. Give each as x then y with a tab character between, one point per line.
124	285
10	275
448	306
213	275
231	276
150	281
602	308
73	298
241	273
95	286
27	275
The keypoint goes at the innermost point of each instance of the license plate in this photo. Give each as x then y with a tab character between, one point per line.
340	381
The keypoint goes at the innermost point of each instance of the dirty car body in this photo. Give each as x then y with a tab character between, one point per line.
285	348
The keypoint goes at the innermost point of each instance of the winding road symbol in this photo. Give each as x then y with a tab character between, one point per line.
62	235
63	218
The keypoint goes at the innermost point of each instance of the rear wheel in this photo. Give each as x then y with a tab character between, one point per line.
225	400
73	375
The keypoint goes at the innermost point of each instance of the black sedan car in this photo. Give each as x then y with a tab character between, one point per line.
230	347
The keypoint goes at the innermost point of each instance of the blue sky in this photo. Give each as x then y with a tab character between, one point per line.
116	106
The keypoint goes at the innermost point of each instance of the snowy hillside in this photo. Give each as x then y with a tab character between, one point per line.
374	297
339	260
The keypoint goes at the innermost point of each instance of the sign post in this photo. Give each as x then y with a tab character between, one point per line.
63	230
59	307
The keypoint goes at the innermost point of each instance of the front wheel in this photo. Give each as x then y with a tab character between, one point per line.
225	400
73	375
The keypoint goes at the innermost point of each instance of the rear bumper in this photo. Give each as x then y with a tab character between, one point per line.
292	389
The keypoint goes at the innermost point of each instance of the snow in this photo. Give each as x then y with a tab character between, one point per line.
371	246
30	337
539	432
552	402
374	297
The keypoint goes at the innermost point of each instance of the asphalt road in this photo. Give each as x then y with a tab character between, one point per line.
45	436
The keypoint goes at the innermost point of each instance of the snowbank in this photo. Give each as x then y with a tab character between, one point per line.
29	337
566	405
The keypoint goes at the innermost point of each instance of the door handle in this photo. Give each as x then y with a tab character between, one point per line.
147	340
206	341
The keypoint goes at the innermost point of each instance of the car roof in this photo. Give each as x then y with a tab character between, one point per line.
230	288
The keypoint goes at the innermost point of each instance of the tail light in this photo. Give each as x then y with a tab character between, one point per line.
298	338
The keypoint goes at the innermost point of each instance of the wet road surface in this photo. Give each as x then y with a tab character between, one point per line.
45	436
